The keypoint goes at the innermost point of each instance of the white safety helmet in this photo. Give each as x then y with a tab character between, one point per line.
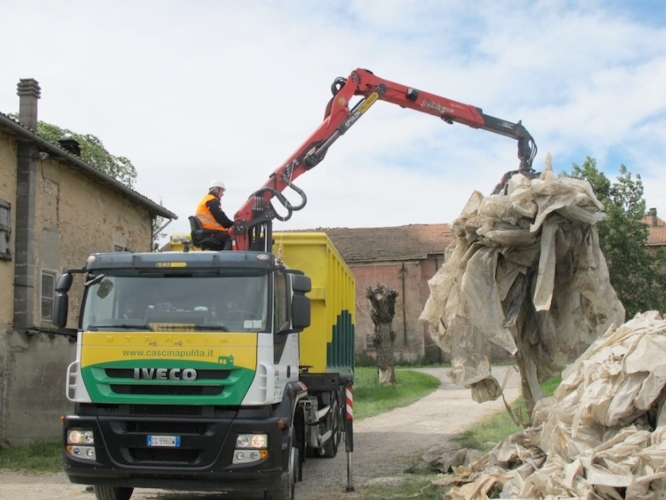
216	184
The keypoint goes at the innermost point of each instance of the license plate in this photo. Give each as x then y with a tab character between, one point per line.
164	441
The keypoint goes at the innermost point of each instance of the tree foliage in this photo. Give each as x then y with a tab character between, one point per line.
93	152
157	230
637	273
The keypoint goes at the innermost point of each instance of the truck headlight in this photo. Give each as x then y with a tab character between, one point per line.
250	448
252	441
80	436
85	452
248	456
80	443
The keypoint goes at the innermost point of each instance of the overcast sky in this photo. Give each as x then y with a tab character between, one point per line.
191	91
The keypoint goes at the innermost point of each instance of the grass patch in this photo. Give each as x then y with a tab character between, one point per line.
417	487
371	398
37	457
494	429
551	384
489	432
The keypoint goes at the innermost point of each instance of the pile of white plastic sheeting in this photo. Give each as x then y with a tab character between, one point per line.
602	435
525	273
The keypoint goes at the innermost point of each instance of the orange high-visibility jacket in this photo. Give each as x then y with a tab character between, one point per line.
205	215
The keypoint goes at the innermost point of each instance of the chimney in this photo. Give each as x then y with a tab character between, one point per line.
653	213
71	146
28	92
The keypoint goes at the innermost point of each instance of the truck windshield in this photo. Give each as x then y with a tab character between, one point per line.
159	302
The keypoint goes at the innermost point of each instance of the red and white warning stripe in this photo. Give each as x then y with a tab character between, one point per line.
349	403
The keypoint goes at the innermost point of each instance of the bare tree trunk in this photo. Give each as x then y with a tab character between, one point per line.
382	299
385	362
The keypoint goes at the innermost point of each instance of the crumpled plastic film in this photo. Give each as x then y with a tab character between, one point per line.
602	435
525	273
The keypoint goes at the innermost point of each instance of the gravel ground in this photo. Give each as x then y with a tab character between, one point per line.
384	446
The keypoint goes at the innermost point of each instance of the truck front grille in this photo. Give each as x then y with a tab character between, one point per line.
165	410
128	373
168	390
162	455
200	440
176	428
209	382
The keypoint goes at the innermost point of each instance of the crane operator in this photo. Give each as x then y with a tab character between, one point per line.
213	219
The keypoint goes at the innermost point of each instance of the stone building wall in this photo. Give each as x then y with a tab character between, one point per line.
75	216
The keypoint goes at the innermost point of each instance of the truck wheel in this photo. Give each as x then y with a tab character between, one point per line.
112	493
284	489
334	422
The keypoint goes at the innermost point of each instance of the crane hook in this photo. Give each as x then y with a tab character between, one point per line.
337	85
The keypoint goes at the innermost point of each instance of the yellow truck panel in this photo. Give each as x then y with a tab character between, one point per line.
328	344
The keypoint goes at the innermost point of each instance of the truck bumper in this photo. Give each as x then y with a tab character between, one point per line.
201	459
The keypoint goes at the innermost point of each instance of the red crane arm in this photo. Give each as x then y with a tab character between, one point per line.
252	221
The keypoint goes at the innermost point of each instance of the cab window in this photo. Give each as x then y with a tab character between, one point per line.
282	300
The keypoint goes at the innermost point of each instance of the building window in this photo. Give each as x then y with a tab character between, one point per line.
48	292
5	230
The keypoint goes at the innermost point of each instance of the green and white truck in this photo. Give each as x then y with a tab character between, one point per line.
203	370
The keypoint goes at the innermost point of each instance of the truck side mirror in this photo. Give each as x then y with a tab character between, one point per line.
300	304
64	283
60	306
61	300
301	283
300	312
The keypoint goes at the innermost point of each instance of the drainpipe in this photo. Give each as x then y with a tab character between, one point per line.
403	271
26	176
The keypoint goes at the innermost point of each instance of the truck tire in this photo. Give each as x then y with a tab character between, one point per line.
334	422
112	493
285	488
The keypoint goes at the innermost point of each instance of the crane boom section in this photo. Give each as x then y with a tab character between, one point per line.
251	229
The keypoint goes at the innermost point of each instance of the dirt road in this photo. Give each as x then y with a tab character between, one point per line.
384	446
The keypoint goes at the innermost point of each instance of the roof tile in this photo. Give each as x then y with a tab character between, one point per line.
381	244
417	241
657	230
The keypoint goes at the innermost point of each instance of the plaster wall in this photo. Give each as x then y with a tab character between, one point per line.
35	379
7	194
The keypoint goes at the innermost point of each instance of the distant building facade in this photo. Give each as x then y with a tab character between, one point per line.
403	258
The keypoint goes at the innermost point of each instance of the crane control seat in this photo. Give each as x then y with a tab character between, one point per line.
202	238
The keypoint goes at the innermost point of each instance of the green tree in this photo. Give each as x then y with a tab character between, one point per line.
157	229
93	152
637	273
